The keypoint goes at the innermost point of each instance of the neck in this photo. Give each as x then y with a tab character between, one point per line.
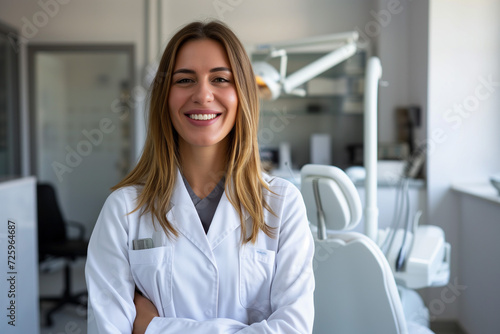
203	167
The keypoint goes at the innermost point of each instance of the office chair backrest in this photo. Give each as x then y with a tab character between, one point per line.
51	224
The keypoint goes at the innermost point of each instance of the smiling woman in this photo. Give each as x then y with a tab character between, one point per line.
234	251
203	101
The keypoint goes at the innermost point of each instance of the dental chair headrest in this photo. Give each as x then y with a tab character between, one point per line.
339	198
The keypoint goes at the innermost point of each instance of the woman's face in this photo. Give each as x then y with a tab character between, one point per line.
202	101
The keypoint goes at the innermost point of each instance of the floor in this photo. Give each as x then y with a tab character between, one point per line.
71	319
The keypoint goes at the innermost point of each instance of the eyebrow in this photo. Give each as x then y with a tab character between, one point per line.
215	69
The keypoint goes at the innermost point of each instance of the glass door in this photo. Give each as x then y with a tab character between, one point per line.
81	123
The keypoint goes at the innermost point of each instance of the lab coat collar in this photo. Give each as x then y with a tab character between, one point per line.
224	223
185	219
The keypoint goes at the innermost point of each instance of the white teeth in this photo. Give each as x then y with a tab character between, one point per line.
202	117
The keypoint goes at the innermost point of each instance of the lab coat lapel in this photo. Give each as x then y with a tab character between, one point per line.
184	217
224	222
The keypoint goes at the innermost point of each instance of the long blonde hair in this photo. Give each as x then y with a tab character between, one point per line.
156	169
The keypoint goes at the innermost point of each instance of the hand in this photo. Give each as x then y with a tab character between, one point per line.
145	312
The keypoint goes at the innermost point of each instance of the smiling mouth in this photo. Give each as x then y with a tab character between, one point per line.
203	117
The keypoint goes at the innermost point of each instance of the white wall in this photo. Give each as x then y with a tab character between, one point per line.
464	51
401	43
418	50
261	21
393	50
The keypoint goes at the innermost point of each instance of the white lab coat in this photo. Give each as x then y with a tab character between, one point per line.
202	283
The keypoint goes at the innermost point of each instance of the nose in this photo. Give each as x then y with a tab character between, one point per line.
203	93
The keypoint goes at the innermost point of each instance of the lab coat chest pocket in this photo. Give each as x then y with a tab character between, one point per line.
256	274
152	273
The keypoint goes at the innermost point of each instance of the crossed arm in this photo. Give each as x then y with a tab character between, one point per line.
145	312
114	307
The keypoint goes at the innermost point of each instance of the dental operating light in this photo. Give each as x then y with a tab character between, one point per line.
268	80
271	83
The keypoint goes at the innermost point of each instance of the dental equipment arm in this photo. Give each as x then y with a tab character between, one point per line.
373	75
271	83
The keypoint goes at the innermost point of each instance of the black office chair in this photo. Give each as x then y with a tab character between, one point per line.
53	242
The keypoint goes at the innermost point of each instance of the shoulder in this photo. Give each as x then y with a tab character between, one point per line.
287	204
280	185
282	190
123	197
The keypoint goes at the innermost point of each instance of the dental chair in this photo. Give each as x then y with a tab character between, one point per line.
355	287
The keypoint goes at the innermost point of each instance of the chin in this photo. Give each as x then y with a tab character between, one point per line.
206	143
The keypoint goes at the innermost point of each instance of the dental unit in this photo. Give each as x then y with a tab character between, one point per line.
402	257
